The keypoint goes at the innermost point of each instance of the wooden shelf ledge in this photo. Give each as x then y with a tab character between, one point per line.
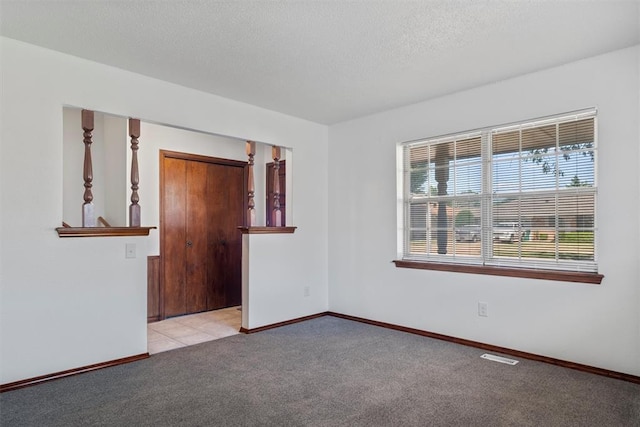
267	230
559	275
102	231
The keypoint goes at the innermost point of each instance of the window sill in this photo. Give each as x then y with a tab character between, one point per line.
267	230
102	231
562	276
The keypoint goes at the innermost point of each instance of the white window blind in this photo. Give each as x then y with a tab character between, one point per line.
522	195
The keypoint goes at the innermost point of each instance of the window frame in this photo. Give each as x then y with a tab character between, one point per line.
486	263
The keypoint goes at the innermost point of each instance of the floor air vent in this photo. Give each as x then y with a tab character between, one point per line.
499	359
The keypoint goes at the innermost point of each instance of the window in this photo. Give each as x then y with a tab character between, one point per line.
521	195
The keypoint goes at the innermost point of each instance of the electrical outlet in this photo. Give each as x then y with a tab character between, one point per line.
130	250
483	309
307	291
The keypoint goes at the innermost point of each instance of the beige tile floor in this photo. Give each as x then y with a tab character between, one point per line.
192	329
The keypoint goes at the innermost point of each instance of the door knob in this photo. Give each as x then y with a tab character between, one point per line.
189	243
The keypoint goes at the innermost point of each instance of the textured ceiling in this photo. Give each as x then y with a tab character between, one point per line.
326	61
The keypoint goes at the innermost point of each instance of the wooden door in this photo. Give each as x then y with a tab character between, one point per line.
202	206
225	240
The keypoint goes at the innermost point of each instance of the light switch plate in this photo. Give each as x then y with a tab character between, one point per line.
130	250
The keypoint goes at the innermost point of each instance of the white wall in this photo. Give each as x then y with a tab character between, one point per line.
593	325
116	170
72	302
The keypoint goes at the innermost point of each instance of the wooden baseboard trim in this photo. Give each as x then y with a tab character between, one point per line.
285	323
44	378
516	353
494	348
